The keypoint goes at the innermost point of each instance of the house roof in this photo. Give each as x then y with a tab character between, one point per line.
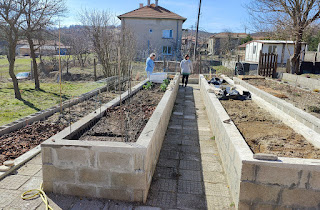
226	34
152	12
274	42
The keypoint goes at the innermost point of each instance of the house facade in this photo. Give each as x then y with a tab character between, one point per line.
284	50
220	43
156	29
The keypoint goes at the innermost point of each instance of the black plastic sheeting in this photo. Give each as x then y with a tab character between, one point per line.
216	81
229	93
234	95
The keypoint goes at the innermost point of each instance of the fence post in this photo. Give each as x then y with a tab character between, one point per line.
95	69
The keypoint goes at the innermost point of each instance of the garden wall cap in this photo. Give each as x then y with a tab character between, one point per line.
262	156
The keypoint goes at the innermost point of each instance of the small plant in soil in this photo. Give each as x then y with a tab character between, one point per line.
148	86
163	87
296	94
166	81
314	109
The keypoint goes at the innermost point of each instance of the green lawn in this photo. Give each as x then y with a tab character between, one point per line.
21	65
12	109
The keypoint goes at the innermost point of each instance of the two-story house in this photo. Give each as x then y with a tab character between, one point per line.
156	29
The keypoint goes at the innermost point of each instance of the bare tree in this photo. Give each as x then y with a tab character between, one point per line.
99	26
10	22
106	39
78	39
39	14
293	15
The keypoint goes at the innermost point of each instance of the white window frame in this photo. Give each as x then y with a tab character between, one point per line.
167	34
165	50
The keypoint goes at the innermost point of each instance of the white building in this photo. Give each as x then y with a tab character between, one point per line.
284	49
156	29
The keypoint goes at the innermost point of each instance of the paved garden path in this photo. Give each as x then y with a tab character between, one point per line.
189	174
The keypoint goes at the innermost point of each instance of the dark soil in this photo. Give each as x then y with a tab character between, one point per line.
16	143
303	99
266	134
125	123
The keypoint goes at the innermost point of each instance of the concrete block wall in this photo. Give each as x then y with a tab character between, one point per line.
290	183
229	141
255	184
113	170
307	119
302	81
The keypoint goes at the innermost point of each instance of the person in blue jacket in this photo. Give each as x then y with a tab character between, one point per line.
150	64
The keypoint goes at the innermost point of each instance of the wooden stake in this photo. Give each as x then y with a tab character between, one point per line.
60	73
121	112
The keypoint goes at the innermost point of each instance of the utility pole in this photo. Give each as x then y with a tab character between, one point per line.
196	44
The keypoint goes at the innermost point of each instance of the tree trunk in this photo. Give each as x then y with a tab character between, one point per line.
34	63
297	51
11	60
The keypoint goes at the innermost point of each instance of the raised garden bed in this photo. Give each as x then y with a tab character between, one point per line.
132	116
266	134
107	169
280	102
284	183
306	100
16	143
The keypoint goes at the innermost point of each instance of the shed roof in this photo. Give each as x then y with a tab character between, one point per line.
152	12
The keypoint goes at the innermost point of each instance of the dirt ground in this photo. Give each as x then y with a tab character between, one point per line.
303	99
266	134
125	123
16	143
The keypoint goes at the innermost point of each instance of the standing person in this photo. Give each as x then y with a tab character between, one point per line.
186	69
150	64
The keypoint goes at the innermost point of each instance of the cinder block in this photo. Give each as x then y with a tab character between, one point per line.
250	192
117	162
115	194
139	161
73	156
278	175
75	189
46	154
92	176
51	173
315	180
47	186
129	180
301	198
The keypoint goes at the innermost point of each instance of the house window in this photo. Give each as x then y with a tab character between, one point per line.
254	49
272	49
167	50
167	34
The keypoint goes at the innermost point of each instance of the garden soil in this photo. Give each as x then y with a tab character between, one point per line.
266	134
125	123
302	99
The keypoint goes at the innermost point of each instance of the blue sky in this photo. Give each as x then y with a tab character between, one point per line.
216	15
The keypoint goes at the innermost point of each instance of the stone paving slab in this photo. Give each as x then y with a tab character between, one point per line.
29	170
13	182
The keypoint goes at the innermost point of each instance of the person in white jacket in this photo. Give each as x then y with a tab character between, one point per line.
186	69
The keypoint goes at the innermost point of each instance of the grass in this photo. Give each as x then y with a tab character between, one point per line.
34	101
223	70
